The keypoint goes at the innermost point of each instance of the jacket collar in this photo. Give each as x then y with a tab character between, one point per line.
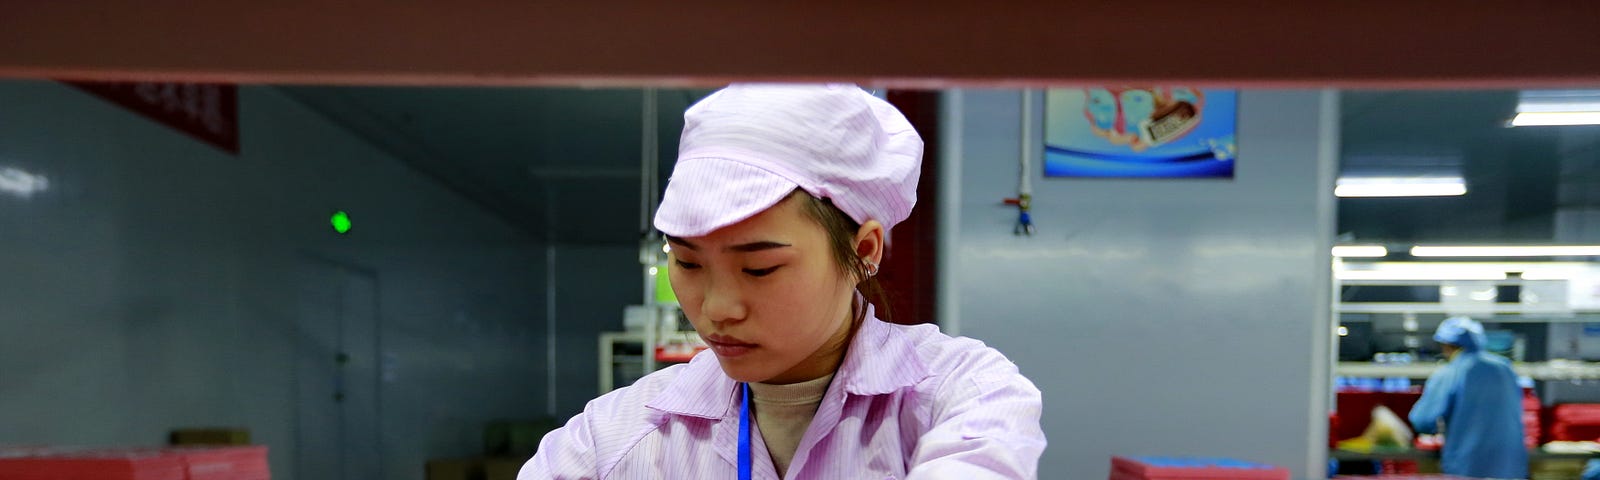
881	360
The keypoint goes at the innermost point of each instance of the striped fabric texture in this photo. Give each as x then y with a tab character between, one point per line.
747	146
907	402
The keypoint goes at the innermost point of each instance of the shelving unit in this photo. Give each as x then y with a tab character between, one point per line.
1523	316
627	356
611	361
1523	312
1558	370
1489	309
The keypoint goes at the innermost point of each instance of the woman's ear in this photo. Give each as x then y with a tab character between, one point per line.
869	244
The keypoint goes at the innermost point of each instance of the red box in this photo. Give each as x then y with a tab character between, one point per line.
1355	409
224	463
1404	477
65	463
1177	468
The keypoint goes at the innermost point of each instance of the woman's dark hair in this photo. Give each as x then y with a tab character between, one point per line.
841	230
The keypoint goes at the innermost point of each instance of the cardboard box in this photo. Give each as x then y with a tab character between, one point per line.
503	468
210	436
455	469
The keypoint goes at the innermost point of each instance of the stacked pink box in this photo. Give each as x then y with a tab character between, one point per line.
186	463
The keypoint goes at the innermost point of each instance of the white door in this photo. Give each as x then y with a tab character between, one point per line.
337	369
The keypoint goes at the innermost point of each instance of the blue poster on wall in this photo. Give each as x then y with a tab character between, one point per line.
1170	132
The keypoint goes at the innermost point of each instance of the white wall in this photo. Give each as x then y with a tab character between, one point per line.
153	285
1181	317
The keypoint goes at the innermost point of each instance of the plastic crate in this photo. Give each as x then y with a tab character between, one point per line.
65	463
1186	468
1405	477
99	464
224	463
1574	433
1576	413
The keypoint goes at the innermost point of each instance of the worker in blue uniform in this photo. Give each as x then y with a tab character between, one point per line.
1474	401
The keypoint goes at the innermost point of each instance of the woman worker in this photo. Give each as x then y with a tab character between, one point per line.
1475	402
777	216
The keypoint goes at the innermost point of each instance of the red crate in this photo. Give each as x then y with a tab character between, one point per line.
198	463
224	463
1576	413
1404	477
1355	409
66	464
1574	433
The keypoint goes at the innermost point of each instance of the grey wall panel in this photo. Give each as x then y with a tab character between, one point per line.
154	284
1172	317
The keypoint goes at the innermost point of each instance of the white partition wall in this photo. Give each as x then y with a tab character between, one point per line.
1159	317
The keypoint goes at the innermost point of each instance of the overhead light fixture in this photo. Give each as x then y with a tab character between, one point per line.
1360	251
1419	271
1507	251
1553	119
1421	275
17	182
1557	107
1423	271
1348	187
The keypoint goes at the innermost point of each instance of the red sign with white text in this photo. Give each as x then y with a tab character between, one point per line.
206	111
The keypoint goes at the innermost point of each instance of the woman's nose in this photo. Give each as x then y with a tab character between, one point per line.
723	302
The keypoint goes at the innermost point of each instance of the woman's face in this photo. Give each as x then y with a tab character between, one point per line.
766	295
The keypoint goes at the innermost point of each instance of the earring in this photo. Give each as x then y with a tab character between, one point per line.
872	269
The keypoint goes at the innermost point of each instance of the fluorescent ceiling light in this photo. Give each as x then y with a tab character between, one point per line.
1557	107
1550	119
1400	187
20	183
1360	251
1507	251
1421	271
1464	270
1421	275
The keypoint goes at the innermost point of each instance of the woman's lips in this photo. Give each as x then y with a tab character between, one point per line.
728	347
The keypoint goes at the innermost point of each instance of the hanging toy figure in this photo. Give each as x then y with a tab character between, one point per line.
1024	218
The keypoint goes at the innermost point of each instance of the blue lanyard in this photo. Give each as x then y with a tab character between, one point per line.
744	433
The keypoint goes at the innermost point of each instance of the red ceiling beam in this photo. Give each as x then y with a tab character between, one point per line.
1343	43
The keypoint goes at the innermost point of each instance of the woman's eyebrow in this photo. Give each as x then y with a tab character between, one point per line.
681	242
740	248
756	246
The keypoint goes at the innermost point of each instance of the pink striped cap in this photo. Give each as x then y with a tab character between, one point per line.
747	146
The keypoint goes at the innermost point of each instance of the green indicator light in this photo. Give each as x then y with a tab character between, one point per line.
340	222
